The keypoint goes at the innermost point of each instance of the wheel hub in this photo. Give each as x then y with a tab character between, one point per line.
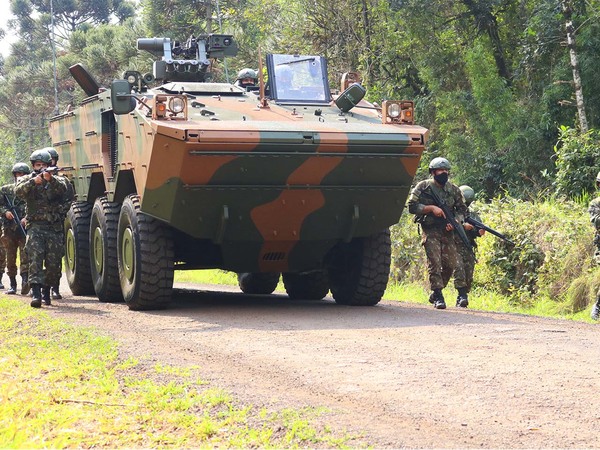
128	254
98	249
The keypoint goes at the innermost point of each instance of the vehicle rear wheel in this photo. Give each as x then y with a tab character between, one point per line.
77	249
306	286
359	270
103	250
145	257
258	283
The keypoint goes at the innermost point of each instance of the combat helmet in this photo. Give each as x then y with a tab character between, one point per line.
439	163
41	155
468	193
247	73
53	152
21	167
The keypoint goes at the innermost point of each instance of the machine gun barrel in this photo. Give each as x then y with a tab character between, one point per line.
477	224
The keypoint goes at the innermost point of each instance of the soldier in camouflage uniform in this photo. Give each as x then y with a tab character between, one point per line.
42	192
13	237
467	257
594	210
63	208
2	262
438	234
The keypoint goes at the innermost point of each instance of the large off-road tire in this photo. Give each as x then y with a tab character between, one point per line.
77	249
359	270
145	257
258	283
103	250
306	286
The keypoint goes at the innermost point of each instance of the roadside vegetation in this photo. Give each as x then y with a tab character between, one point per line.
67	387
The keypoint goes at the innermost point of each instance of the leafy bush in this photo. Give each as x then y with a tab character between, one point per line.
577	162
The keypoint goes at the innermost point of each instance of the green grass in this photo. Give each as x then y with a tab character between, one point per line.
480	299
65	386
484	300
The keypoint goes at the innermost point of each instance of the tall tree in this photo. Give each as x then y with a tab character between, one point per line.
567	8
33	16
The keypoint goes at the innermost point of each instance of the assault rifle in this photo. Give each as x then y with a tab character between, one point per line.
480	226
13	210
458	228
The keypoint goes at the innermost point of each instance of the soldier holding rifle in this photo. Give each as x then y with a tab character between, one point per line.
63	208
466	255
594	210
42	192
13	231
439	207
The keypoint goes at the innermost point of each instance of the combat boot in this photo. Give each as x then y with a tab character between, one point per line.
462	300
13	286
55	294
24	284
36	300
596	310
437	298
46	295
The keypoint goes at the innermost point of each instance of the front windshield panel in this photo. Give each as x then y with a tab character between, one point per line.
298	79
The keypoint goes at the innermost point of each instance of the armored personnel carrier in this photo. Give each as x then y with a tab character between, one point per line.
284	179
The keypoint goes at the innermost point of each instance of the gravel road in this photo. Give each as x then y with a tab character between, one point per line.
402	375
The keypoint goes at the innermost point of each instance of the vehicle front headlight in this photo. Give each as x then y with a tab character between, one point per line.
177	105
394	110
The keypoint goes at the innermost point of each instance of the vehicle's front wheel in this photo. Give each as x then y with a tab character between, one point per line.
77	249
359	270
258	283
103	250
306	286
145	258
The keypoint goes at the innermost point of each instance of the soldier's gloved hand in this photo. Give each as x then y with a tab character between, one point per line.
38	179
47	176
9	215
467	226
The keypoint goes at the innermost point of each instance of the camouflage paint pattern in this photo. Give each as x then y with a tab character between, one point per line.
272	188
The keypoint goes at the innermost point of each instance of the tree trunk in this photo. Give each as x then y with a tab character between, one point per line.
486	23
568	13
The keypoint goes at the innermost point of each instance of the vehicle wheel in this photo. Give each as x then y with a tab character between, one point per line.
258	283
145	256
359	271
77	249
306	286
103	250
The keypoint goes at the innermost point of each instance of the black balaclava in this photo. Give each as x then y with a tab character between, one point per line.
441	178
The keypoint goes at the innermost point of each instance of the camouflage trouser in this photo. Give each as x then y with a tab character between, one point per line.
442	259
466	260
14	240
2	257
44	246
